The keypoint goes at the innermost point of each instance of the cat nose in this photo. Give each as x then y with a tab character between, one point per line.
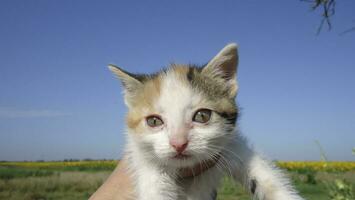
179	145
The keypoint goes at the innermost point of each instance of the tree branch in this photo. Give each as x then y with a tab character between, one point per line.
328	10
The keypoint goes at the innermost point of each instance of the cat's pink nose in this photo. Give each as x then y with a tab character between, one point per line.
179	146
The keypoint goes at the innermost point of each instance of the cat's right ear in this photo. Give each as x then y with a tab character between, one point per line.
223	67
130	82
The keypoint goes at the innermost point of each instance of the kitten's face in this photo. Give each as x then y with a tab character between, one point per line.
183	115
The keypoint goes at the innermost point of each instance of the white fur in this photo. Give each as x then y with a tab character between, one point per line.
155	172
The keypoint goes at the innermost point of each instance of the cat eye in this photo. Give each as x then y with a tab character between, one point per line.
202	116
154	121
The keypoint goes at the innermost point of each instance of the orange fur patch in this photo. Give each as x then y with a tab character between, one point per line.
143	102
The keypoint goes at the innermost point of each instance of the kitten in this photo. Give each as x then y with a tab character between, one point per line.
183	138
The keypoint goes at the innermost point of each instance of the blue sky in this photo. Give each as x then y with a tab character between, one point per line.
58	100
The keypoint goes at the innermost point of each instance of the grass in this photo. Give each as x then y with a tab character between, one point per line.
78	180
62	185
7	173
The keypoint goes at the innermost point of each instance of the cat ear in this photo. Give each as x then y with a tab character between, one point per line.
224	67
130	82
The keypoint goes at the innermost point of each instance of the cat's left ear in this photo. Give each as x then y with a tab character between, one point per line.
224	67
130	82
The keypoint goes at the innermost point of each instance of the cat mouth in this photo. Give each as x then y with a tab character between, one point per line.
181	156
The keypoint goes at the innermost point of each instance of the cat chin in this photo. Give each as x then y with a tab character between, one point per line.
179	163
189	160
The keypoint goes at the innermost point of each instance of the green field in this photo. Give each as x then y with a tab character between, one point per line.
78	180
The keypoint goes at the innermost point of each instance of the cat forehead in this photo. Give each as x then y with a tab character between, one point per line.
183	80
186	76
181	84
167	86
176	89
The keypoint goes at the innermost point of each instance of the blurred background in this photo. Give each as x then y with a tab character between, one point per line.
58	100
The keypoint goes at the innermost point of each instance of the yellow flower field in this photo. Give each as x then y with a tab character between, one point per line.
110	164
317	166
99	164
